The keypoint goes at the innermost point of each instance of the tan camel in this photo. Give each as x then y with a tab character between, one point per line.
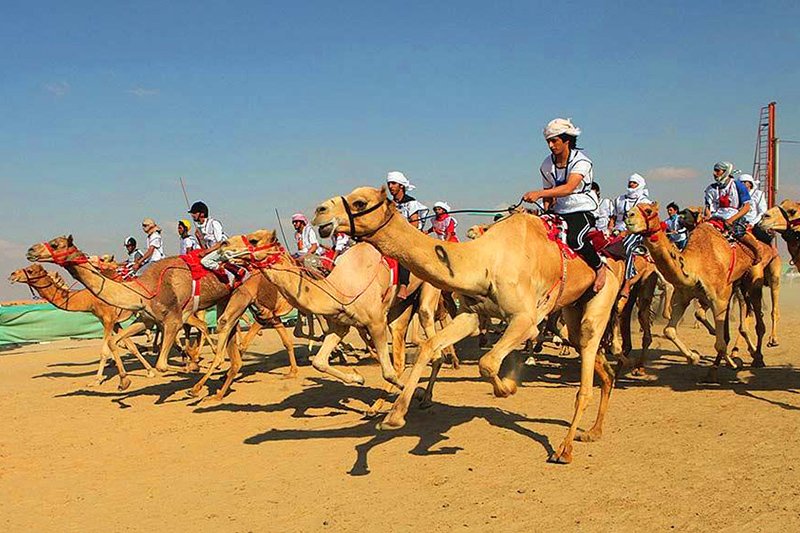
358	293
643	287
51	287
264	296
162	294
514	271
707	270
785	219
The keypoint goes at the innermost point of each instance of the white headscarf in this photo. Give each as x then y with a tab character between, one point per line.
727	169
641	189
443	205
400	178
558	126
747	178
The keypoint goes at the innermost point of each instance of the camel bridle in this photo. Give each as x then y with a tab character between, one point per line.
273	256
63	258
790	230
651	233
352	216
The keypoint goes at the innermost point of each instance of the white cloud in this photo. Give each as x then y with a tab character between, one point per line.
58	88
142	92
671	173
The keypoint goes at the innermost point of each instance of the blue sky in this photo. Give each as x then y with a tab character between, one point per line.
261	105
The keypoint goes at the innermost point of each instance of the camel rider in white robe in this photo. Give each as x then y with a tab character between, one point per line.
637	194
605	208
566	181
412	210
728	200
758	206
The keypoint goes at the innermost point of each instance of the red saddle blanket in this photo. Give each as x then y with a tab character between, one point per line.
393	268
720	226
192	260
557	232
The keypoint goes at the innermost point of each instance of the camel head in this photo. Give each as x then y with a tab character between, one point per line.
691	217
643	219
781	217
28	275
359	214
259	248
477	231
61	251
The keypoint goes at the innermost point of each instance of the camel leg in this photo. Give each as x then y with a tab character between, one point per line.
224	334
746	321
389	368
669	291
247	338
283	333
105	350
321	361
645	314
462	326
131	346
680	301
520	328
773	277
754	296
592	326
122	335
171	325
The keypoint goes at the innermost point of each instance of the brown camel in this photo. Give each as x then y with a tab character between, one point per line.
256	292
51	287
643	287
162	294
785	219
358	293
514	271
707	270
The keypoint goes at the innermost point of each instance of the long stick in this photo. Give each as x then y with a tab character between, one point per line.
285	242
185	196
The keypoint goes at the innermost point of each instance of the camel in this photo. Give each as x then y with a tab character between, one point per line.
51	287
514	271
162	294
256	292
707	270
643	287
358	292
784	219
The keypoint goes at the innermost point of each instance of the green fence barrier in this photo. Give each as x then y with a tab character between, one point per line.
23	324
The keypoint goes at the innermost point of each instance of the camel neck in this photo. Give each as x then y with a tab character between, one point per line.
61	297
122	295
668	259
311	296
447	265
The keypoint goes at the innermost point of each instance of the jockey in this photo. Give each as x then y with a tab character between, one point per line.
134	254
728	199
341	243
443	225
412	210
155	245
636	194
188	241
758	206
567	179
210	236
605	208
676	233
309	249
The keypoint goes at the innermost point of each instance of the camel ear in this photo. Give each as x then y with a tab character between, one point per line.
383	192
655	206
69	239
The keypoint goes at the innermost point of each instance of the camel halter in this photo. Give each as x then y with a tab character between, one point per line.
651	233
62	257
272	256
790	224
29	281
351	218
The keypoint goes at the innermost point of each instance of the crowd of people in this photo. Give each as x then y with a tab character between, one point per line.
568	191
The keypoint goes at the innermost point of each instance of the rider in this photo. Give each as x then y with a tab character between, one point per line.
676	232
728	199
412	210
636	194
188	241
567	178
134	253
155	246
443	225
604	210
758	206
209	235
341	243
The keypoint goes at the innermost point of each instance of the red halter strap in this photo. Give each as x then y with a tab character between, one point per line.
62	257
651	233
271	259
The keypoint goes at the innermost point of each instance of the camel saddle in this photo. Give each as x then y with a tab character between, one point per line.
724	229
603	245
198	271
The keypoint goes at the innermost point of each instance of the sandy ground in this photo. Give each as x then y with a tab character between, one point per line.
297	455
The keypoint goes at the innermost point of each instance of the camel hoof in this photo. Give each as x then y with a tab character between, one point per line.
194	392
589	436
563	457
162	369
639	371
94	383
419	394
290	375
773	343
505	387
694	357
151	373
124	383
356	378
426	403
390	425
738	363
757	363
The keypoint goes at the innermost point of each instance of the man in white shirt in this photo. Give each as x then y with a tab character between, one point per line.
412	210
209	234
188	241
305	237
636	194
758	206
155	245
604	210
